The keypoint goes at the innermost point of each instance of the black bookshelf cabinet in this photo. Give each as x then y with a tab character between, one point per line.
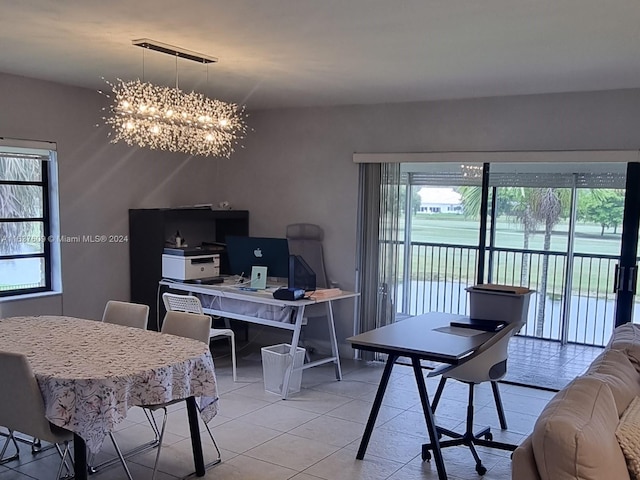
149	230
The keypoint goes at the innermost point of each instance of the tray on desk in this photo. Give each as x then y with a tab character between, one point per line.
476	324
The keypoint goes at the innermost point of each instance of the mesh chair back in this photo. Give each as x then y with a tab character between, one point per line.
182	303
189	325
305	239
127	314
21	404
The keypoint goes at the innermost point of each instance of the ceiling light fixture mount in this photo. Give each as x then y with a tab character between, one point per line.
163	118
172	50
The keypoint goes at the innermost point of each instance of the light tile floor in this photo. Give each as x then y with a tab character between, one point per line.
315	434
561	363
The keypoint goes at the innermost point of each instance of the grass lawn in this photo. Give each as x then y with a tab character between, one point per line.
459	230
592	276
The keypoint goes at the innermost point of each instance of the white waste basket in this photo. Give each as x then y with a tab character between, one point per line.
275	360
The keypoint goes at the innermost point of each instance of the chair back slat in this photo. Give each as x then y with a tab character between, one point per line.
182	303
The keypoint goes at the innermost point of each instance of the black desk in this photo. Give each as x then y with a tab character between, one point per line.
418	339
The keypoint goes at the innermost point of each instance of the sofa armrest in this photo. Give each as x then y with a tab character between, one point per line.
523	464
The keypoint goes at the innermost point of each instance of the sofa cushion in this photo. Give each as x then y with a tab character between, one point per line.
625	334
626	338
628	435
574	437
523	463
615	368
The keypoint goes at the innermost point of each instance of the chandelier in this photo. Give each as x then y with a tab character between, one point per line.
164	118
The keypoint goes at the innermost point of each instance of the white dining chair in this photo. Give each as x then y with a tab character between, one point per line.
197	327
22	407
126	314
137	316
191	304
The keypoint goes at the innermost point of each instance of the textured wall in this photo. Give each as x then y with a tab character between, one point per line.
296	167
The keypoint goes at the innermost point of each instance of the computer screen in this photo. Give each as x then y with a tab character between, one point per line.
247	252
301	275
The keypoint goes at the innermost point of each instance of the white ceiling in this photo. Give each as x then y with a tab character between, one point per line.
287	53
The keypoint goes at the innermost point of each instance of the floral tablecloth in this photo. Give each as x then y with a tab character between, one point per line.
90	373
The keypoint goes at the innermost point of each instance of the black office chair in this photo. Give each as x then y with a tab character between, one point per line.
487	364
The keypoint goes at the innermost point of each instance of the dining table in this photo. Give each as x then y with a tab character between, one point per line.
91	373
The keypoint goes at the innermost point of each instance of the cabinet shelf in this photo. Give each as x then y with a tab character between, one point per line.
151	228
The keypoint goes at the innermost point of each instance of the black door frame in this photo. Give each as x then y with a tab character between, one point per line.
627	268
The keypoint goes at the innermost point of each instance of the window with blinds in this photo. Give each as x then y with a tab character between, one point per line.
25	220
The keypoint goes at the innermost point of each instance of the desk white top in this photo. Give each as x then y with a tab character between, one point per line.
232	290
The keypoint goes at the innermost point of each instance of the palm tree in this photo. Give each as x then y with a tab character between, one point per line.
530	207
18	201
547	206
524	214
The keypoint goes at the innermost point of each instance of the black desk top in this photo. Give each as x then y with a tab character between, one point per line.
418	337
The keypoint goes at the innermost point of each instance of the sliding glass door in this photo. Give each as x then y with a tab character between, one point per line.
440	236
554	227
558	231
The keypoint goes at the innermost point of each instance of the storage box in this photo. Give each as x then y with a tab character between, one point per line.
502	303
275	360
190	267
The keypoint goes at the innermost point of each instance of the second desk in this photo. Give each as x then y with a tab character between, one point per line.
262	297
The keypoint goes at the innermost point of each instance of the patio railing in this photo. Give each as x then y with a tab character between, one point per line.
439	273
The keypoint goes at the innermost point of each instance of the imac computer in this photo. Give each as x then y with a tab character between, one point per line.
247	252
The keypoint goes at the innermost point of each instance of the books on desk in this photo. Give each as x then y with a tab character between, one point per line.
475	324
323	293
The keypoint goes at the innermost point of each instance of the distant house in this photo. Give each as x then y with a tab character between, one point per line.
440	200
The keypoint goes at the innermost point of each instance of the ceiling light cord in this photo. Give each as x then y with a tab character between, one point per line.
177	70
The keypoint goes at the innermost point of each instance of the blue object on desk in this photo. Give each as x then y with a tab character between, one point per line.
248	289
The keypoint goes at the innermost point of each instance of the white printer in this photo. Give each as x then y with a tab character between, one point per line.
190	263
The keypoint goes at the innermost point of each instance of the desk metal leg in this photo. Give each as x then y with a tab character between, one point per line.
79	457
428	416
376	406
292	352
196	443
334	341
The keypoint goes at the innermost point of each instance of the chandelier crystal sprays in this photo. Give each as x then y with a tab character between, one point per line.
164	118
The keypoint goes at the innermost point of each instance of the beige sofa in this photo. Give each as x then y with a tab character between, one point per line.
575	435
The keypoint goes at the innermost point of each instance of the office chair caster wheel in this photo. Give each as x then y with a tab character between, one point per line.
36	446
481	469
489	437
426	454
